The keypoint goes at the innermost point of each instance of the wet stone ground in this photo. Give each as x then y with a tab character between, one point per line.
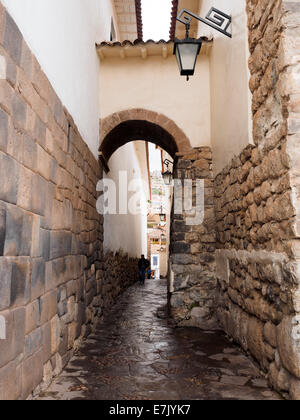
137	355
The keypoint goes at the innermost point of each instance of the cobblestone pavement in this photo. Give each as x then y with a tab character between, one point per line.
136	355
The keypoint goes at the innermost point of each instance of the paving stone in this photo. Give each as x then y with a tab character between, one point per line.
135	355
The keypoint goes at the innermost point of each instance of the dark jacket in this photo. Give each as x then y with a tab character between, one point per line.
143	264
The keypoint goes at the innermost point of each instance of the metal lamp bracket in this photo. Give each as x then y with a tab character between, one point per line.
216	19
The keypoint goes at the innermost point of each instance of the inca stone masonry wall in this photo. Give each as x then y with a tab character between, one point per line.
192	282
54	284
119	271
257	205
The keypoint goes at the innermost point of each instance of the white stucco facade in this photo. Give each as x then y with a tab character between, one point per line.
231	117
62	34
127	232
154	84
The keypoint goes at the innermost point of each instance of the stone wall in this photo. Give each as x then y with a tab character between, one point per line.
119	271
192	283
52	285
257	205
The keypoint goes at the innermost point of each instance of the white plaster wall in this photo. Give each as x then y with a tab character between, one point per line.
155	84
62	34
231	117
126	232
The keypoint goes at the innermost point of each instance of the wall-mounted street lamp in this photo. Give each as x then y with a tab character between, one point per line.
162	215
167	175
187	50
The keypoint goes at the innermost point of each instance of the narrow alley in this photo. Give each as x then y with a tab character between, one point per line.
137	355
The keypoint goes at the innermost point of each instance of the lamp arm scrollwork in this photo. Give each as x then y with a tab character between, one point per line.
216	19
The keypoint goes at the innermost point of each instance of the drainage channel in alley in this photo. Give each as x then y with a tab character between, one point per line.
136	354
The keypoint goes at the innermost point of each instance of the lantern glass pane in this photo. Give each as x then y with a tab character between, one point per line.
186	56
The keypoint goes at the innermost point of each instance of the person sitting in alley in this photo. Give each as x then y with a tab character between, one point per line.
143	265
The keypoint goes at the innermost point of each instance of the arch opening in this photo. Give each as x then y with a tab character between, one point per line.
123	127
134	130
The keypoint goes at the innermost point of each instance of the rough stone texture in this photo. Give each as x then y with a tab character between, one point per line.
150	359
119	272
192	263
54	285
257	204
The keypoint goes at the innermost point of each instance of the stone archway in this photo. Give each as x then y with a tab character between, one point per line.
192	281
139	124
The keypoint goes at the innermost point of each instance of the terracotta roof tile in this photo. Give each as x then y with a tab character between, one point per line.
174	14
132	44
139	20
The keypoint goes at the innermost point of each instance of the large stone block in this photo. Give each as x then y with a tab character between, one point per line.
40	132
288	340
3	130
295	389
55	334
60	244
29	152
48	306
6	96
18	316
38	278
12	39
25	189
32	373
44	237
2	22
32	316
10	382
18	232
6	345
181	248
39	192
19	111
59	271
33	343
9	174
270	334
20	282
5	283
43	163
46	337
